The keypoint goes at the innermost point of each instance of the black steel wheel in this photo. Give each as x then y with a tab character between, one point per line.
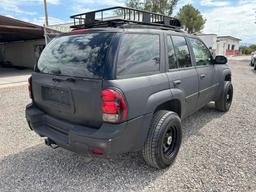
169	141
164	139
225	101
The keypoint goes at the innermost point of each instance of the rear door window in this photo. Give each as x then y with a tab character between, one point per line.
172	60
138	54
81	55
182	51
201	52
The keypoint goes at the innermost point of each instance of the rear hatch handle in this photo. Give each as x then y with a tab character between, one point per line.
69	79
56	80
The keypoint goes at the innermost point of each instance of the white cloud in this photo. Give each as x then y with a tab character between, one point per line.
54	2
100	2
41	21
237	20
81	6
180	4
212	3
14	6
10	16
241	2
80	9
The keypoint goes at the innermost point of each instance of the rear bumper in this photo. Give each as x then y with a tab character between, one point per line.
111	139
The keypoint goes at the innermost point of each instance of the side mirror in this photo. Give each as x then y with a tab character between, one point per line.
222	60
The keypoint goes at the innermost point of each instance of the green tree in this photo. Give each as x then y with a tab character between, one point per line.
247	50
164	7
253	47
136	4
191	19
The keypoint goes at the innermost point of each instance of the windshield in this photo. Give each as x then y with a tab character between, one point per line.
81	55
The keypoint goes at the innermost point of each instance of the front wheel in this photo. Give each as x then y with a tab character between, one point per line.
226	98
164	140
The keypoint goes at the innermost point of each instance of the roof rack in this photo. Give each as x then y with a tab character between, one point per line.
118	16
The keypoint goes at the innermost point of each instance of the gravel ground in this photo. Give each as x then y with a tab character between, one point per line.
218	152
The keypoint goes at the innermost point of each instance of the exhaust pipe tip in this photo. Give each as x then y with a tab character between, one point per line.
50	143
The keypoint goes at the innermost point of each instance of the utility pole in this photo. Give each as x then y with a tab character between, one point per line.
46	13
46	22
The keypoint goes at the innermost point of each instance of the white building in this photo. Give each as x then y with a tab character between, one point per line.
228	45
221	45
65	27
209	39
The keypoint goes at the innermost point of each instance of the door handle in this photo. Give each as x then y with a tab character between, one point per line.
177	82
57	80
70	79
202	76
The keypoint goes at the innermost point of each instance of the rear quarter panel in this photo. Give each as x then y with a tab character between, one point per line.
139	92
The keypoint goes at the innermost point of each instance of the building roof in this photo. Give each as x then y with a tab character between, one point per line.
229	37
16	30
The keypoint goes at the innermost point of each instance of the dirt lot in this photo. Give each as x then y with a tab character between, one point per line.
218	152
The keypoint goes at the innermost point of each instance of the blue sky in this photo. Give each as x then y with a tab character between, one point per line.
229	17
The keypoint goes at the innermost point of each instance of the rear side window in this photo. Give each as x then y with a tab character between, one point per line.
81	55
182	51
138	54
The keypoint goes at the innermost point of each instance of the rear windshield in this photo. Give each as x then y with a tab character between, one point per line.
81	55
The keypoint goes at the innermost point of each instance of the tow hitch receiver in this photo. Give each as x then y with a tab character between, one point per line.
51	143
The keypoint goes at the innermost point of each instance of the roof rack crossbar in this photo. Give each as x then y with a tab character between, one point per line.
123	15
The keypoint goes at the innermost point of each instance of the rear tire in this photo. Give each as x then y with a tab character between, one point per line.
251	64
226	98
164	140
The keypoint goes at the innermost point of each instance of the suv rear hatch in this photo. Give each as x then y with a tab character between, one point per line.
67	83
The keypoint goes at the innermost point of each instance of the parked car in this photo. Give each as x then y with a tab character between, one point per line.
253	60
122	86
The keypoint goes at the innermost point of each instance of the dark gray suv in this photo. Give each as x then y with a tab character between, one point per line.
122	86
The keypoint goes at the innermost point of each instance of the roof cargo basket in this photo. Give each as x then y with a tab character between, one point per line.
117	16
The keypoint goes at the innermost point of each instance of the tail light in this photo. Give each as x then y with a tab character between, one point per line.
97	152
113	106
78	31
30	86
